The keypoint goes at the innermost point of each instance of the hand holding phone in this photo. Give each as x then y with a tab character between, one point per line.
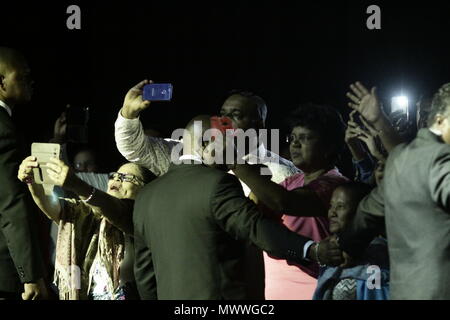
43	152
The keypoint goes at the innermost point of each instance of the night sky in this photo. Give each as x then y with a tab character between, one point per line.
288	52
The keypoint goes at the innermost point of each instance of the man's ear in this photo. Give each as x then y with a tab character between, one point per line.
439	119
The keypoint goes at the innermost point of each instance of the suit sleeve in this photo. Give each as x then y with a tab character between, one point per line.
144	271
240	218
367	224
439	178
17	216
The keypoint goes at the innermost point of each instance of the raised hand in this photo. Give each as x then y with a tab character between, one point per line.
351	136
25	173
368	136
60	173
133	104
365	102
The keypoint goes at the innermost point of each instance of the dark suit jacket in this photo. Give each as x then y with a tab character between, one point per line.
191	227
413	202
20	258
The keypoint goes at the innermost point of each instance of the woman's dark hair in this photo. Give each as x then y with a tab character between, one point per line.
440	104
324	120
358	190
147	175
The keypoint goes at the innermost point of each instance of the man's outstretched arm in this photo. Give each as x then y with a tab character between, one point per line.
149	152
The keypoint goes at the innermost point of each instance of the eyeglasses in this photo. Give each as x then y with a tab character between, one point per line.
304	139
125	177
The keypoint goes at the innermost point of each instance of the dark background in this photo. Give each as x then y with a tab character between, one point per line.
287	52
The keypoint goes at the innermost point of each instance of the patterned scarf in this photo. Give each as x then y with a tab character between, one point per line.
82	235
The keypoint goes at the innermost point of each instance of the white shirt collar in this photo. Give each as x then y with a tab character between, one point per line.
8	109
191	157
258	155
261	154
262	151
436	132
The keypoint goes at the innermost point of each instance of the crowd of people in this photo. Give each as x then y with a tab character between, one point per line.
177	221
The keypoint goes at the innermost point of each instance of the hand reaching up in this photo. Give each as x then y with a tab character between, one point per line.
365	102
133	104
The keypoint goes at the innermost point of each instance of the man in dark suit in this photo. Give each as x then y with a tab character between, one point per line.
192	224
413	204
21	267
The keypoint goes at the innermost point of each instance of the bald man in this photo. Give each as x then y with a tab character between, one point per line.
21	266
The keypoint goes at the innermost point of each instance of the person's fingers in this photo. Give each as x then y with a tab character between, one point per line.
362	88
32	164
27	171
28	165
354	98
352	116
361	130
374	91
364	134
141	84
54	167
356	90
352	132
334	242
352	124
357	130
26	295
30	158
53	176
364	139
36	296
354	106
351	135
364	131
57	161
368	125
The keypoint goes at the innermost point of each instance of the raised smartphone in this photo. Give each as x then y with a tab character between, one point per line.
157	92
43	152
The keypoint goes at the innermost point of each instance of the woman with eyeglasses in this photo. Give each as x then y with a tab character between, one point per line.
94	251
301	201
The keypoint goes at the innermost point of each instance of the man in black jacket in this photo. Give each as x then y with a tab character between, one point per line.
21	266
191	227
